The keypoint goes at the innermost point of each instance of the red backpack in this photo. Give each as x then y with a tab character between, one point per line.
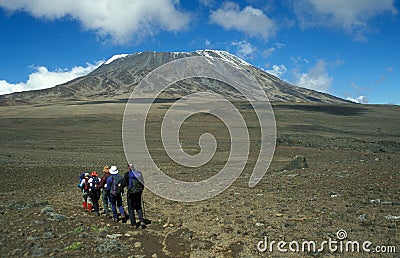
86	185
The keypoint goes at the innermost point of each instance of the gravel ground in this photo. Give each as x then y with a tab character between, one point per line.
350	184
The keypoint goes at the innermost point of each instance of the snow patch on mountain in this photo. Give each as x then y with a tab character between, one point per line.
115	57
228	57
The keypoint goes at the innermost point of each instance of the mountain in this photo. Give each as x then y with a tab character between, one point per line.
117	77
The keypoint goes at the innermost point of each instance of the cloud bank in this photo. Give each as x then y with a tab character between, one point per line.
359	99
245	49
250	20
316	78
118	20
277	70
42	78
351	15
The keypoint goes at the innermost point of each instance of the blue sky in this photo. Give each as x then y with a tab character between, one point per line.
349	49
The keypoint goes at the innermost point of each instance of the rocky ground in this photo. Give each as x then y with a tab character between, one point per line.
351	183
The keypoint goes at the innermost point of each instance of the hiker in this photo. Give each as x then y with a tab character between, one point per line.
85	186
133	180
104	193
94	193
114	187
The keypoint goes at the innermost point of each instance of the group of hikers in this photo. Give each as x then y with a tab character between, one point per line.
110	188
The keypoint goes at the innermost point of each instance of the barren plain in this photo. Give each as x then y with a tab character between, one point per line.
351	184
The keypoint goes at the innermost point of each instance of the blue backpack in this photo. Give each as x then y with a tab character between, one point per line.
81	176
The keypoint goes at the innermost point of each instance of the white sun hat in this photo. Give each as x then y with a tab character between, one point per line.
113	170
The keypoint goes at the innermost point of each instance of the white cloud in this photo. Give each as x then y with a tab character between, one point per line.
316	78
207	2
120	20
277	70
42	78
268	52
250	20
345	14
299	60
244	49
359	99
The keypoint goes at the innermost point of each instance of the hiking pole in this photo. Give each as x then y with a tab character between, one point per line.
144	210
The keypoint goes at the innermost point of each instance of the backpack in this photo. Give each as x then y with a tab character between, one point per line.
81	177
114	184
86	185
95	182
134	185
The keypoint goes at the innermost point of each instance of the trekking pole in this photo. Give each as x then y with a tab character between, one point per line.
144	210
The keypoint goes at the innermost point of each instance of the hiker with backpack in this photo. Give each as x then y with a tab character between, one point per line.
85	186
94	193
104	193
114	187
133	180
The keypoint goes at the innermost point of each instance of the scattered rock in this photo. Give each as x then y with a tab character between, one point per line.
362	217
57	217
298	162
41	252
135	233
366	220
103	230
168	225
47	235
111	246
391	217
137	245
342	174
46	210
392	232
84	235
49	211
376	201
114	236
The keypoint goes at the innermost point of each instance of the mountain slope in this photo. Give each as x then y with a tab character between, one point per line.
116	78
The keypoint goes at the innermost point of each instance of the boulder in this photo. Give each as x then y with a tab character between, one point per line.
298	162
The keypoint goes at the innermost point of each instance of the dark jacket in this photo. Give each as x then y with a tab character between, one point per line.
103	181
